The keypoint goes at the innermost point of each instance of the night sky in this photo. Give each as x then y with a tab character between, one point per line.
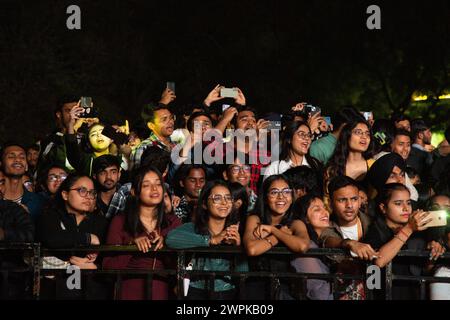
277	52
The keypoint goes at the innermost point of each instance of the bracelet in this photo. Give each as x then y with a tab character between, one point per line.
397	237
407	236
270	242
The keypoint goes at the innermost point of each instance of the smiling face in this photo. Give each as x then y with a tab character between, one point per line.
301	140
98	141
279	199
402	146
238	172
14	161
218	206
318	216
151	190
360	139
398	209
346	205
75	203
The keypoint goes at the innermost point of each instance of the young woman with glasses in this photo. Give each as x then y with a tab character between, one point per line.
273	224
215	224
144	223
51	180
69	222
295	145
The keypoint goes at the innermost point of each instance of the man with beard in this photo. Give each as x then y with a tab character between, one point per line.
419	157
111	196
14	164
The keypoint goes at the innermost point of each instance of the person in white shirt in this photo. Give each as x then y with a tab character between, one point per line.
296	141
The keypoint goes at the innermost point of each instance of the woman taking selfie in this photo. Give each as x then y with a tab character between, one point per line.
395	228
144	224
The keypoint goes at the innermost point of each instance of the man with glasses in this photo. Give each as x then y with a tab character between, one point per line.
14	165
191	179
161	121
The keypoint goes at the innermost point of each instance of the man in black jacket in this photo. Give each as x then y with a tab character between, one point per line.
419	158
15	226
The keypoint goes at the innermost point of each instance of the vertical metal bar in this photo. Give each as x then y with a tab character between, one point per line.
181	273
211	285
273	284
118	287
149	286
389	279
242	288
335	287
423	289
36	261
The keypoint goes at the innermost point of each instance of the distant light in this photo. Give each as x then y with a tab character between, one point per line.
420	98
444	96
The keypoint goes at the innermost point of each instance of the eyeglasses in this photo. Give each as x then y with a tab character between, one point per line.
361	133
55	177
83	192
218	198
236	169
304	135
273	193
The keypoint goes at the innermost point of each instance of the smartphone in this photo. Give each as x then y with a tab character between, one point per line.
229	92
225	107
86	104
171	86
118	137
312	109
438	218
328	120
367	115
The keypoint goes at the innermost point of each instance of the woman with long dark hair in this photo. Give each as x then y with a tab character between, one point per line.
352	156
397	227
69	222
273	224
215	224
145	224
312	211
294	152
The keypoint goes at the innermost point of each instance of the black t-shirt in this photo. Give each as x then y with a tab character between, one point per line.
377	236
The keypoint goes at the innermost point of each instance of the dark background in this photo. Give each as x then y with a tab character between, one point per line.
277	52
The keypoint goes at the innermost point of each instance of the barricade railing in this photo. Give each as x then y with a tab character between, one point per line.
36	252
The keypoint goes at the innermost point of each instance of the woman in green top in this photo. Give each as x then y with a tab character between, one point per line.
215	224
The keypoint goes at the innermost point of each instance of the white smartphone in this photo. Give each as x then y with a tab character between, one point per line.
438	218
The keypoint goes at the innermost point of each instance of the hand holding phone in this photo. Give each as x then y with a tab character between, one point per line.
437	218
119	138
86	104
171	86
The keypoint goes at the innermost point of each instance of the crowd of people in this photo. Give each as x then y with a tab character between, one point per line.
299	179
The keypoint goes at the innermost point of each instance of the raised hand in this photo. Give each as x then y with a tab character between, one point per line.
213	96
